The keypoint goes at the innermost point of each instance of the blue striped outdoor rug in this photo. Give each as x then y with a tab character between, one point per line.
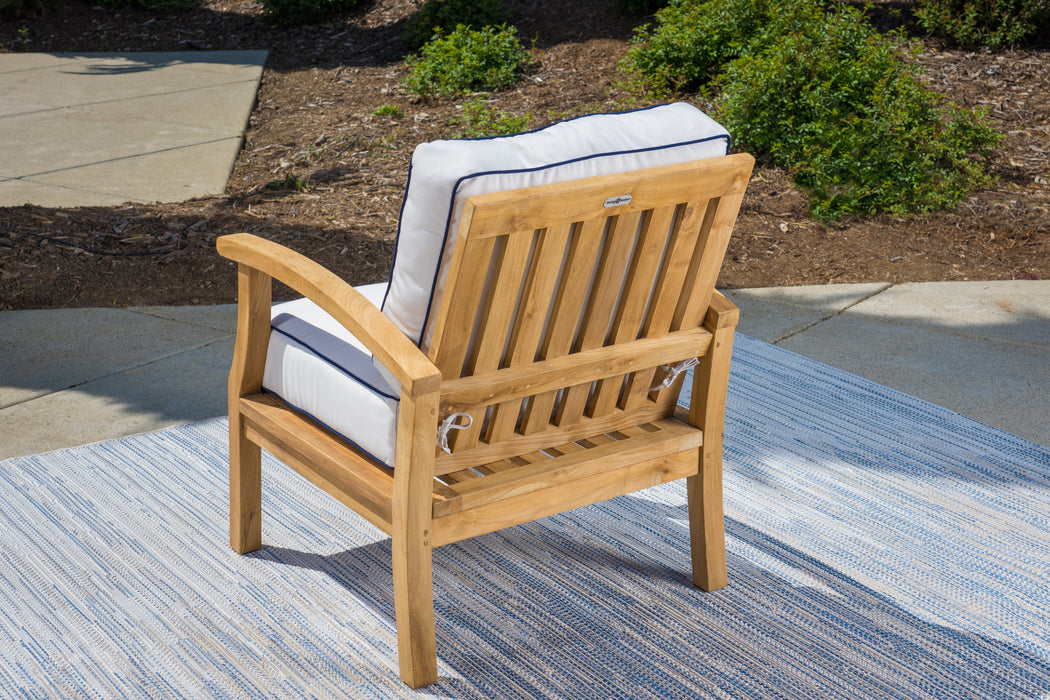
879	547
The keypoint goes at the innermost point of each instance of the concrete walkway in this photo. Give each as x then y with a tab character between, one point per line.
72	376
102	129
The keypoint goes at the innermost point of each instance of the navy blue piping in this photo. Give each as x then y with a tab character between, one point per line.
321	422
363	382
448	219
397	238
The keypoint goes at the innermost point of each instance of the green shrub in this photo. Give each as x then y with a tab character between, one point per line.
467	59
294	13
992	23
692	41
443	16
481	118
854	122
153	5
825	95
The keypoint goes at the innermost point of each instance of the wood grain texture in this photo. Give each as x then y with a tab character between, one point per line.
246	374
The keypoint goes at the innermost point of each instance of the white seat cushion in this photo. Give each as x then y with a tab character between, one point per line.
444	173
319	368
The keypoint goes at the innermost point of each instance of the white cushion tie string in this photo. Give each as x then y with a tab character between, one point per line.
450	424
673	371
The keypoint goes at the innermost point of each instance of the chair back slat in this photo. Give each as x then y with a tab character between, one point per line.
494	322
540	283
460	307
667	294
565	314
605	292
622	259
692	303
638	288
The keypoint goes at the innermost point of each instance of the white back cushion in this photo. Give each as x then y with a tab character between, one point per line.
444	173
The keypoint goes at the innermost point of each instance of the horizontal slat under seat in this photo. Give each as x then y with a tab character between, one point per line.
563	464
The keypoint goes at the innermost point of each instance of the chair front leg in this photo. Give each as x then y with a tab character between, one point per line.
245	489
249	359
704	491
410	541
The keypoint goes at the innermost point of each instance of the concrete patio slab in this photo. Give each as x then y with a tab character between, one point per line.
998	382
774	313
221	317
100	129
42	352
1003	310
46	195
135	179
33	149
184	388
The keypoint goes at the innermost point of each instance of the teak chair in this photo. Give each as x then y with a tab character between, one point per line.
549	381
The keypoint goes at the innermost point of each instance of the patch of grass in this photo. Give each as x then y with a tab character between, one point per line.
387	111
291	181
481	118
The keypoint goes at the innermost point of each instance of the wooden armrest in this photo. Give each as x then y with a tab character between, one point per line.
721	313
407	363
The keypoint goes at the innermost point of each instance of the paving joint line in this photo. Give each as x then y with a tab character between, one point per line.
141	310
126	99
887	286
128	157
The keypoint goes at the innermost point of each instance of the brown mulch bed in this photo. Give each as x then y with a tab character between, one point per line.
313	124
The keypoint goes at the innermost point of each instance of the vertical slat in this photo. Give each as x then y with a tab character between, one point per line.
448	349
246	373
565	317
688	314
712	249
495	323
668	291
531	320
598	316
634	299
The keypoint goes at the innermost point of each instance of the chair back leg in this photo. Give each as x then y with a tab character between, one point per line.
704	491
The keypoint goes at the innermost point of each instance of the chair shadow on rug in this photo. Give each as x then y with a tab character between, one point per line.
840	627
564	316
